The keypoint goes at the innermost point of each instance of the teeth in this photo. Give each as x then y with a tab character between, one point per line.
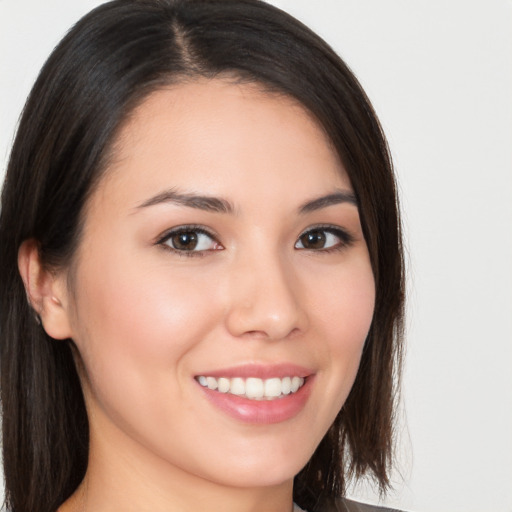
237	386
223	385
273	388
252	387
296	384
286	386
211	383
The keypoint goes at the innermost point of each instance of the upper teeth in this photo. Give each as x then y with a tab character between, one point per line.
253	387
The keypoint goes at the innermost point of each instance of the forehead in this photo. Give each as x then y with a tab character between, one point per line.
213	135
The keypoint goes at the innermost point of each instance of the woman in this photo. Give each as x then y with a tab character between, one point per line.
201	271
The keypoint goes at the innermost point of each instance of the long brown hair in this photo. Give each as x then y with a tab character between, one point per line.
107	64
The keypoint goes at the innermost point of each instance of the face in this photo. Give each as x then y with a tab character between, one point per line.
222	291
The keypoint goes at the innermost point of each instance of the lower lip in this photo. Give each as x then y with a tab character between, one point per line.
262	412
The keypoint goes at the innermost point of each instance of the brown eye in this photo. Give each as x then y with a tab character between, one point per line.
313	240
320	238
190	240
184	241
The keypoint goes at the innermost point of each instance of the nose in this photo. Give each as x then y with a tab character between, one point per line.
265	300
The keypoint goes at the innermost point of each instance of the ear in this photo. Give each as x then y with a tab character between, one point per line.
46	291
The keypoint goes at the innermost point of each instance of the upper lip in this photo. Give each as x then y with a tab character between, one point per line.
262	371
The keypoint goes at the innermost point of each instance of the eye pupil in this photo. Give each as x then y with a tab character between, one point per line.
313	240
185	241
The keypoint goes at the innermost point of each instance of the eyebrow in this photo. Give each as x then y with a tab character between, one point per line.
219	205
206	203
343	196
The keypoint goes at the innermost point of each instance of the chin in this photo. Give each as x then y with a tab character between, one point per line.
269	476
273	470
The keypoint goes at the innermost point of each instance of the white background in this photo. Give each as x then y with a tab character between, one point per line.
439	73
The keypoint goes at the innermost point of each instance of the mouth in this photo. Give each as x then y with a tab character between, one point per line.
258	394
253	388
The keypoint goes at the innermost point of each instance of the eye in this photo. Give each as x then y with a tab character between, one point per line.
189	239
323	239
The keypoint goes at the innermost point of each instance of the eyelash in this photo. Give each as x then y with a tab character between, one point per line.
346	239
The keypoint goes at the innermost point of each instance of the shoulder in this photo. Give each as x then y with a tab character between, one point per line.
354	506
346	505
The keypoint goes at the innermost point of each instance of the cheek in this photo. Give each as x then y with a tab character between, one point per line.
346	308
138	321
354	308
134	297
343	316
137	327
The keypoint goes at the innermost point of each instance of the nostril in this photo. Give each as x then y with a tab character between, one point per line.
256	334
272	334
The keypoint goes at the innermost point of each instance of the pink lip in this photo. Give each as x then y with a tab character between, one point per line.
261	412
260	371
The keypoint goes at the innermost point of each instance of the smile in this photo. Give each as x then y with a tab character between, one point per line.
253	388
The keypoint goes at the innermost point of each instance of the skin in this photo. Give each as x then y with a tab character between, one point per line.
146	320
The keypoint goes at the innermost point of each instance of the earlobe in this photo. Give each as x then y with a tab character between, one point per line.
46	291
